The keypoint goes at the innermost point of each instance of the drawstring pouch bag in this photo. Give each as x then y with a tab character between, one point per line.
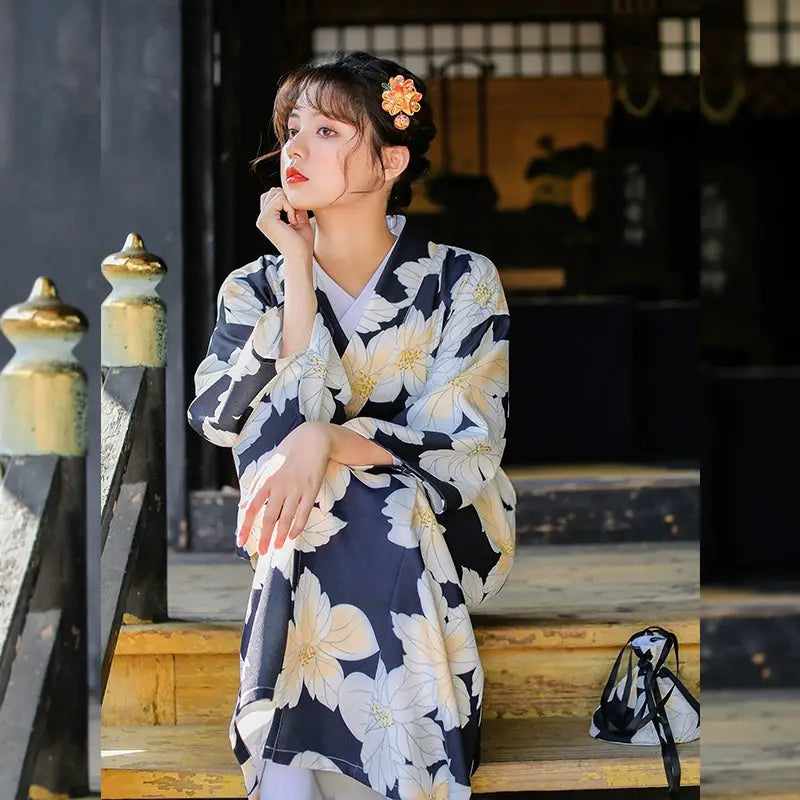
649	705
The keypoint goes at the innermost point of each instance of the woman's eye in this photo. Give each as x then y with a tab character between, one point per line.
290	132
330	130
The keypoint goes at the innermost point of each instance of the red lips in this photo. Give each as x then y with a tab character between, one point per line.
293	175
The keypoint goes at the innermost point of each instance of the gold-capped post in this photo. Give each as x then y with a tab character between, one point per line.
43	405
133	318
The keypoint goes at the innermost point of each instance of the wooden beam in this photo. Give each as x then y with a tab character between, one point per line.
24	708
24	497
363	12
118	561
335	12
121	409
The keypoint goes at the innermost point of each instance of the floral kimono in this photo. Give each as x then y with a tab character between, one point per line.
358	653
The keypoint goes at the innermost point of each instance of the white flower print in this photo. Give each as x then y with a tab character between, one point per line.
312	377
473	390
319	634
257	471
377	311
388	715
499	526
368	426
309	759
471	587
365	364
418	784
415	525
334	484
374	481
252	429
239	298
471	461
257	265
410	360
480	291
252	723
439	644
209	371
319	529
412	273
268	334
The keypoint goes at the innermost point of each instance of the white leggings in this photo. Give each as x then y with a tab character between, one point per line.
280	781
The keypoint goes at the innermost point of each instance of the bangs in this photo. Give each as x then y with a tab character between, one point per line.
330	92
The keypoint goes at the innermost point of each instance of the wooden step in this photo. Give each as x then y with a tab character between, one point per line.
547	641
596	503
569	504
750	744
751	636
580	583
518	755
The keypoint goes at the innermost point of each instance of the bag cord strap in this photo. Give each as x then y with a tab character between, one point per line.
655	704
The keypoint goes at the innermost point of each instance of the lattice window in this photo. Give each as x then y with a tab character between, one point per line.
517	49
679	39
773	32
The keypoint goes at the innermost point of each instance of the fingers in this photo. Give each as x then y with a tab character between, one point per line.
274	201
271	515
301	517
285	520
252	506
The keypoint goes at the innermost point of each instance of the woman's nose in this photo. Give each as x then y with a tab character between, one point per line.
296	146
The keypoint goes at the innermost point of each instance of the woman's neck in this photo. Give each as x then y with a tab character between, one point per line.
349	244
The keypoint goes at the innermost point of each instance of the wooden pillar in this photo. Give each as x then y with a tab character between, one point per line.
134	335
42	416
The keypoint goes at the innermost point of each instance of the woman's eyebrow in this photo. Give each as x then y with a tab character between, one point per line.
314	113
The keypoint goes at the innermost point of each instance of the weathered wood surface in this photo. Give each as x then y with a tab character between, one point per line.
122	406
549	658
25	705
751	747
133	455
751	637
117	563
519	755
166	681
24	495
597	583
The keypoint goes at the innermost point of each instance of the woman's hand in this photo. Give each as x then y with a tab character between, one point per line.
295	240
291	486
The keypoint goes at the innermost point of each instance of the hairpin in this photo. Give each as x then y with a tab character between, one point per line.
400	98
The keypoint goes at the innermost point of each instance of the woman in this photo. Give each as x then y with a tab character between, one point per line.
360	378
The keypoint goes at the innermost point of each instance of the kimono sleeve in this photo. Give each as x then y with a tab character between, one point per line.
452	436
243	371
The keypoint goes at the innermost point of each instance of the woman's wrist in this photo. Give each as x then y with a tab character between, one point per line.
299	306
350	448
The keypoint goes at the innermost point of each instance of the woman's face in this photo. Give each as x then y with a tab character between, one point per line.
317	146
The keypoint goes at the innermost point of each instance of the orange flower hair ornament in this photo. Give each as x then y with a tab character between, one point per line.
401	98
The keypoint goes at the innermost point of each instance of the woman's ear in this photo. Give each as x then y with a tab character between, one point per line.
395	160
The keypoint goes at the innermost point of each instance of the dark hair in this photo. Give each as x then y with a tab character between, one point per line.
349	89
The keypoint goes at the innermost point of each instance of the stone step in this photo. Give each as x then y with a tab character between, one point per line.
751	636
750	744
573	504
551	754
547	641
